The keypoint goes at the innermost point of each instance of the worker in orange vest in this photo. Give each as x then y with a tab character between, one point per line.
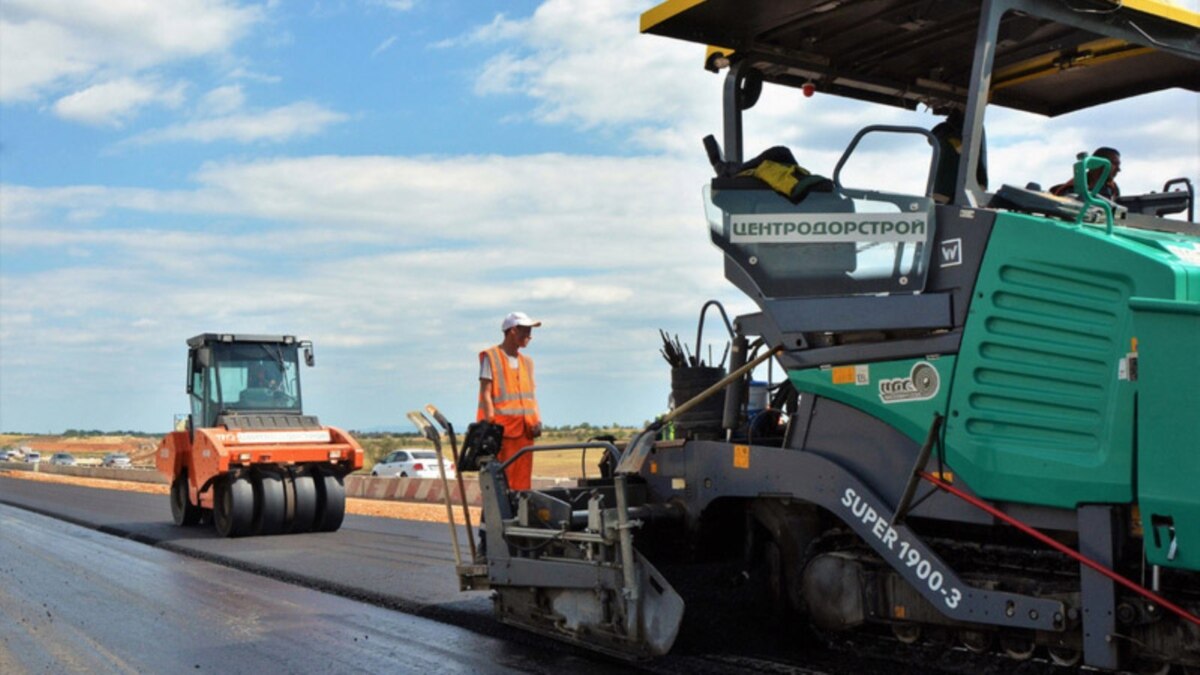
506	395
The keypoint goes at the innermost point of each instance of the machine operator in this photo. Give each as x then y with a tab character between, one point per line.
1109	190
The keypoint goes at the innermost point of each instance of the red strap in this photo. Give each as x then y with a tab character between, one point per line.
997	513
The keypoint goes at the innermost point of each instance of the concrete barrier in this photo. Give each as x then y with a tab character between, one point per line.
136	475
424	489
410	489
18	466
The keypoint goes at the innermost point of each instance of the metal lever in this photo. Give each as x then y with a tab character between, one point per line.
462	488
423	424
426	426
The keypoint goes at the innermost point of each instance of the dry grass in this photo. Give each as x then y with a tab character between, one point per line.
567	463
552	464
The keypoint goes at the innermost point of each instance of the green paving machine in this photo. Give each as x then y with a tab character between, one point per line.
989	429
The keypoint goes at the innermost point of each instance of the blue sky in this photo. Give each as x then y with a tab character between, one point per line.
389	178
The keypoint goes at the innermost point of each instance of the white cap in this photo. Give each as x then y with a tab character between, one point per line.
519	319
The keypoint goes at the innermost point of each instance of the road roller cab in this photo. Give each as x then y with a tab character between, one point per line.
248	458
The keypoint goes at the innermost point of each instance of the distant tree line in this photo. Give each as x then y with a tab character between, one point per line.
85	433
118	432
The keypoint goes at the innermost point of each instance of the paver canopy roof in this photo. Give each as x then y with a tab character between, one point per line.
906	52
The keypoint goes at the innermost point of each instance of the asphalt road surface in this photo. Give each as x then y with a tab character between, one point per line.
96	598
117	596
78	600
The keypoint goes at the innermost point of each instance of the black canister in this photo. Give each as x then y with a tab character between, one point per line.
704	420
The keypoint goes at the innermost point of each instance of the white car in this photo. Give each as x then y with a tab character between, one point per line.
33	457
62	459
411	463
117	460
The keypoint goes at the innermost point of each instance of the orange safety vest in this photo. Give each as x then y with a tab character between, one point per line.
512	394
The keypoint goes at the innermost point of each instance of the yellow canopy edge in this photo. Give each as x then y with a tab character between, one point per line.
1166	10
666	10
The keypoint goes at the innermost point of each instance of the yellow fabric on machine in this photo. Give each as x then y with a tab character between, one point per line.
783	178
790	180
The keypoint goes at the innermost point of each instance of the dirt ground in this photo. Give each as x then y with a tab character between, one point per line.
431	513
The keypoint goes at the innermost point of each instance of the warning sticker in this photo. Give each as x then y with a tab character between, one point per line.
856	375
741	457
862	375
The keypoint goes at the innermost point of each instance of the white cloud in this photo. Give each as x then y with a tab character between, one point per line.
394	5
49	44
223	100
614	77
277	125
27	66
398	263
500	29
384	46
242	73
115	102
652	94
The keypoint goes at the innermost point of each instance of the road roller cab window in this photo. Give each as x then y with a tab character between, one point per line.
257	377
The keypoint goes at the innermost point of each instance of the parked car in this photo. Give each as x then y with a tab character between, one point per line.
9	456
408	463
33	457
62	459
117	460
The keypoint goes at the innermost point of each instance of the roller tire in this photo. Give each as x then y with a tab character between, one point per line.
1018	648
1066	657
304	504
270	506
331	502
183	511
976	641
233	507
